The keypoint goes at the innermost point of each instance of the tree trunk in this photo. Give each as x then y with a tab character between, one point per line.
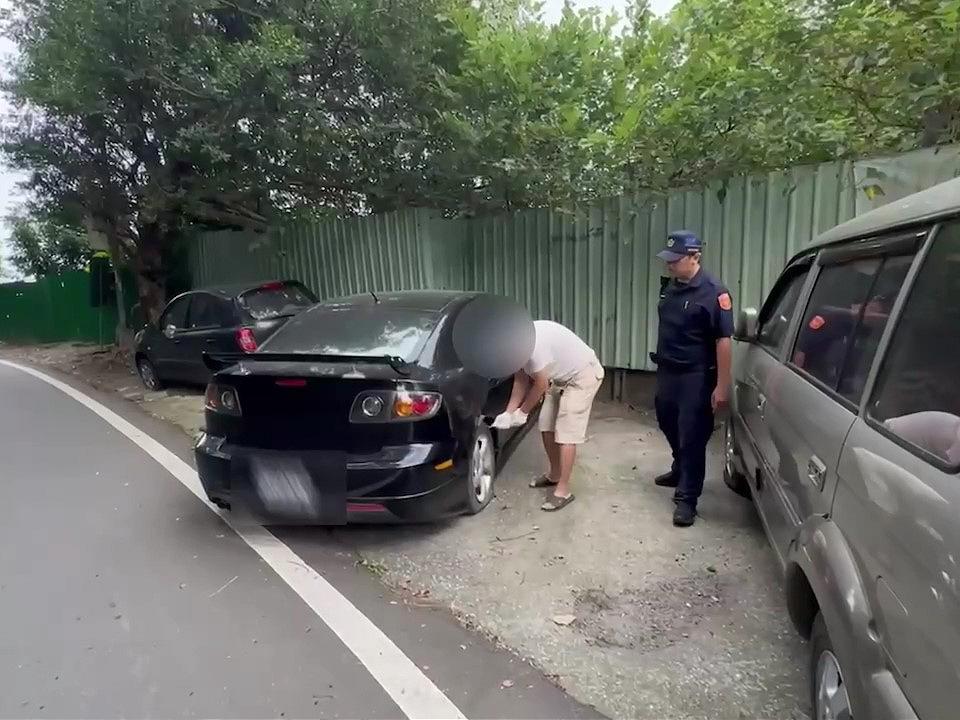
151	275
124	336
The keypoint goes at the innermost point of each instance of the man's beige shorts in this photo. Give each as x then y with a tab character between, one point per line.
566	408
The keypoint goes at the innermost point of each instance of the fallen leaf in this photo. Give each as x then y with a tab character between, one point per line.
564	620
507	684
711	568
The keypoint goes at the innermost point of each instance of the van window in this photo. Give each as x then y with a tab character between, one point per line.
917	396
778	310
874	314
830	321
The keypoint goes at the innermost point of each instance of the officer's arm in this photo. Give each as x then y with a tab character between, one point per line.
723	329
724	362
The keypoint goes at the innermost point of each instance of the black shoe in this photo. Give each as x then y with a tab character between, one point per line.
668	479
684	515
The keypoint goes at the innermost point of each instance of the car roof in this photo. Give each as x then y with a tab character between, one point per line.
927	205
433	301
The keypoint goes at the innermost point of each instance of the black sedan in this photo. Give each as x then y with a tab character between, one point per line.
226	319
357	409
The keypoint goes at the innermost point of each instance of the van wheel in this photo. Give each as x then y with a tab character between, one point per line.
734	479
829	693
482	470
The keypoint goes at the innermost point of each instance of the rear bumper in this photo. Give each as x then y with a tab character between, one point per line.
398	483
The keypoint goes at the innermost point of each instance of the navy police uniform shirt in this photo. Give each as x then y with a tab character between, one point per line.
693	316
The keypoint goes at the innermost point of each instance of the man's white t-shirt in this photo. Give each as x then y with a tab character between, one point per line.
559	351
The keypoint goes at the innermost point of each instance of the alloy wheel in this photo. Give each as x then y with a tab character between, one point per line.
482	469
833	703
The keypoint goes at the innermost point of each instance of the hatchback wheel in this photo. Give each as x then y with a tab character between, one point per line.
830	698
734	479
148	375
482	472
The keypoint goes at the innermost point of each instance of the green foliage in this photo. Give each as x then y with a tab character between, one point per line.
143	117
46	247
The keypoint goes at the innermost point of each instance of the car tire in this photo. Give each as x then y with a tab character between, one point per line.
148	374
481	470
829	697
733	478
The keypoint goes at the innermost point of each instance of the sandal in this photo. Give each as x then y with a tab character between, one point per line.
554	503
542	481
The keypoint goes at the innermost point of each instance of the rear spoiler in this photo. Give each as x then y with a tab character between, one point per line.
220	361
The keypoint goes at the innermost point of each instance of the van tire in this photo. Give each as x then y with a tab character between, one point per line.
824	664
732	478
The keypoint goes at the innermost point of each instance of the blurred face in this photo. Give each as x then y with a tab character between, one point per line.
684	268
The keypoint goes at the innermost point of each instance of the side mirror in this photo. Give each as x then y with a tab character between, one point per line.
746	328
170	331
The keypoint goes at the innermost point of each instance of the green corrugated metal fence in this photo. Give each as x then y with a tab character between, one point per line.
593	269
54	309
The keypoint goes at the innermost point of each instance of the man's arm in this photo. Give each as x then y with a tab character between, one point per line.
721	394
541	381
521	383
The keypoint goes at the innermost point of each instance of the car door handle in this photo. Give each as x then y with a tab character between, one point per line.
209	341
816	472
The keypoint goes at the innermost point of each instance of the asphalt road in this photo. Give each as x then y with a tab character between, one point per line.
122	594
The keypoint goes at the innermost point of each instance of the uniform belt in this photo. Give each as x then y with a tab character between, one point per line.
673	366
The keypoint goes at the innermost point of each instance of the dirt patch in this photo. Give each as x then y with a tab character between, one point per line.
650	618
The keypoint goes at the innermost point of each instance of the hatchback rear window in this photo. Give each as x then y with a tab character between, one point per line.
276	300
367	330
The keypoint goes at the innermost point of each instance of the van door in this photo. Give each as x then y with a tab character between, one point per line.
838	337
761	375
898	498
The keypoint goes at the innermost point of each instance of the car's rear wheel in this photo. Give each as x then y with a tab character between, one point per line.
734	479
148	374
830	698
482	472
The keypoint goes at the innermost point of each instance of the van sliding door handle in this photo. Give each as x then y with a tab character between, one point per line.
816	472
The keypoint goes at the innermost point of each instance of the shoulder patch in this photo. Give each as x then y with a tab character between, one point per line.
725	302
817	322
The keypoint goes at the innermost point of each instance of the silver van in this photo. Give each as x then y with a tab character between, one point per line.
845	431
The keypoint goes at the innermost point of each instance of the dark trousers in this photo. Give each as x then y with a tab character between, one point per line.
686	419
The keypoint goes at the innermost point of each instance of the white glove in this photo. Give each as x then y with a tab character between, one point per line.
503	421
518	418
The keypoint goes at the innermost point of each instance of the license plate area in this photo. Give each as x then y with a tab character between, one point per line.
291	488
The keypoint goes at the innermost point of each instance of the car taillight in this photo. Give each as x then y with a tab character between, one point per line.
394	406
415	405
222	399
246	340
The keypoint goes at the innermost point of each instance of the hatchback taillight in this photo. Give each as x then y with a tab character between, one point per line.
246	340
394	406
222	399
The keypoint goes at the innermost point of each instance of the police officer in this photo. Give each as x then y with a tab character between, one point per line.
693	367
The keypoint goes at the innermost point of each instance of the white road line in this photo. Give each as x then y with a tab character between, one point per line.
403	681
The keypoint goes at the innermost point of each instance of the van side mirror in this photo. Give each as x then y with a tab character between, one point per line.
746	327
170	331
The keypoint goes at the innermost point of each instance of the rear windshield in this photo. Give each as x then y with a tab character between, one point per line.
372	330
276	300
